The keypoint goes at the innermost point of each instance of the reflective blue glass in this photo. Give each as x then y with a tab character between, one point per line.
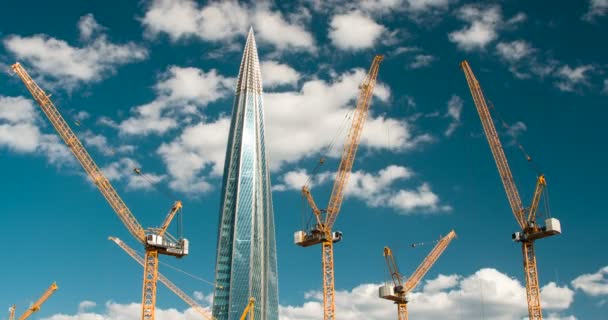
246	263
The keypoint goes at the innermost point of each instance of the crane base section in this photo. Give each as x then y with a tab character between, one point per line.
313	237
552	227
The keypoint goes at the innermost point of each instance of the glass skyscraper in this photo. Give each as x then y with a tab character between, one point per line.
246	264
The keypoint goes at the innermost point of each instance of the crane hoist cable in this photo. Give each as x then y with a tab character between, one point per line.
520	146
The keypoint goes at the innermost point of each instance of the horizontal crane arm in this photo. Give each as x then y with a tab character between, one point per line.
36	306
429	261
81	154
352	142
495	145
186	298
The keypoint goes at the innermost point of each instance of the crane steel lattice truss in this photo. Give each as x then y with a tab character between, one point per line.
179	292
154	240
322	233
36	306
399	290
530	230
198	308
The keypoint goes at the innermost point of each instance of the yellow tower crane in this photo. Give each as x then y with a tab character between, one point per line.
11	312
186	298
36	306
155	240
526	217
322	231
179	292
398	290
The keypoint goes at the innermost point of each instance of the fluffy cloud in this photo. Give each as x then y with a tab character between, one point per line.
484	22
72	65
375	189
180	91
132	311
354	31
605	91
445	297
276	74
454	110
84	305
571	78
19	131
593	284
311	115
514	51
100	143
421	61
197	153
223	21
122	170
597	8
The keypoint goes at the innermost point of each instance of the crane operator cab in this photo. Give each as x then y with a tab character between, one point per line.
552	227
316	235
168	245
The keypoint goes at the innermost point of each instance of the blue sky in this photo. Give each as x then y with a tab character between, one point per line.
151	85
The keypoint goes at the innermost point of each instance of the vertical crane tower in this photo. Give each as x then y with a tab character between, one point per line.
398	291
248	312
526	217
155	240
322	232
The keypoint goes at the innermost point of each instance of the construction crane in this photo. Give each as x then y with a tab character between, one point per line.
186	298
322	231
179	292
11	312
249	310
526	217
36	306
398	290
155	240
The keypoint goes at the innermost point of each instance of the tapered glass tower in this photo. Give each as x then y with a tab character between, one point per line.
246	264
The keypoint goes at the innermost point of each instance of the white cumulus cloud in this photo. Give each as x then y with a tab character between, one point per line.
454	110
223	21
354	31
448	297
483	24
20	131
597	8
571	78
593	284
375	189
275	74
180	91
71	65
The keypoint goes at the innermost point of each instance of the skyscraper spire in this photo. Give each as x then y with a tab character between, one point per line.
250	77
246	264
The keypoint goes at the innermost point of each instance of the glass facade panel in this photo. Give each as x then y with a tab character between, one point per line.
246	264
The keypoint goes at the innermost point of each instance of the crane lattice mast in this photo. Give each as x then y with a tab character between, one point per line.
154	240
179	292
526	218
322	233
398	290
